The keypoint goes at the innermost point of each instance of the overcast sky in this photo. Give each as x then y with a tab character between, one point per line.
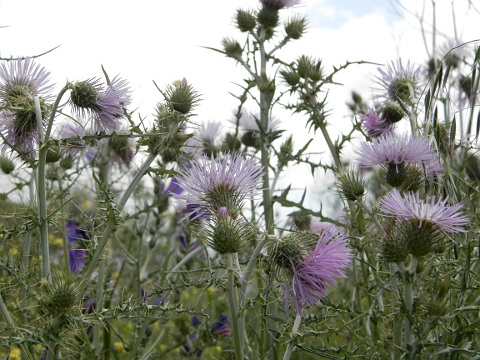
163	41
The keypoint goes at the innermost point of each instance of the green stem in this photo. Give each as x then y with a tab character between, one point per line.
331	146
291	345
151	349
182	262
408	299
42	195
236	322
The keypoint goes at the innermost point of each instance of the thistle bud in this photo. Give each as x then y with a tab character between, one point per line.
232	48
182	97
231	143
6	165
121	148
62	294
225	234
66	162
290	77
295	28
351	185
245	20
53	154
268	17
309	68
285	155
392	112
466	86
251	138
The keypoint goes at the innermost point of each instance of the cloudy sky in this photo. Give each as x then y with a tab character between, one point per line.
165	40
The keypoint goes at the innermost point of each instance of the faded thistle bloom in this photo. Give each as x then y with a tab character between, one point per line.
213	183
420	226
313	262
205	141
20	82
399	83
405	159
103	105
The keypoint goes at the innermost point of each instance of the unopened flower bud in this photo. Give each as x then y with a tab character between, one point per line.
285	155
182	98
268	17
6	165
290	77
62	294
225	235
232	48
245	20
53	154
309	68
392	112
231	143
295	28
351	185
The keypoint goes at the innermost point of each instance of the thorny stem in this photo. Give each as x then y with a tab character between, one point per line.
112	222
290	346
232	258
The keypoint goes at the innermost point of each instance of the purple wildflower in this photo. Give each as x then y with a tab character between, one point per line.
319	269
432	212
395	150
220	327
21	78
104	105
77	256
374	124
20	82
214	183
399	83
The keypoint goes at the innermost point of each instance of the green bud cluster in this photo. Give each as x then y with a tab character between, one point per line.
62	294
268	17
309	68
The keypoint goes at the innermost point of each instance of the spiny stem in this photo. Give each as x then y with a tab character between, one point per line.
236	323
296	325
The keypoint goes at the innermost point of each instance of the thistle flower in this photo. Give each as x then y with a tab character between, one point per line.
121	148
432	213
206	140
103	105
399	83
20	82
311	271
404	158
374	124
214	183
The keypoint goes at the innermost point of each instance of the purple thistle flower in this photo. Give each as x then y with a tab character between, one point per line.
392	149
104	105
375	125
432	212
319	269
399	83
23	78
20	82
210	184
